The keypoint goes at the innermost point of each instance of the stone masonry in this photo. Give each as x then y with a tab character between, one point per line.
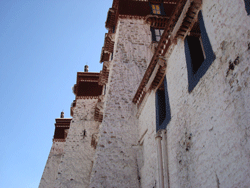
116	157
54	159
76	164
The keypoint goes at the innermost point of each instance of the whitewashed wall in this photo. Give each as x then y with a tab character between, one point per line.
76	164
53	161
209	133
147	132
116	157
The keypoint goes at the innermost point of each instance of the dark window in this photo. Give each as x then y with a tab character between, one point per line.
157	9
163	114
196	47
247	6
199	53
156	34
111	56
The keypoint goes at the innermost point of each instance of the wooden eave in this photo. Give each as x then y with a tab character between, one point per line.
104	74
59	140
61	125
172	30
164	1
63	122
108	43
110	22
188	18
87	77
99	109
157	21
104	55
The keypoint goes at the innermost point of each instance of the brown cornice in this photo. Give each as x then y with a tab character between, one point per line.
61	129
108	47
131	16
59	140
99	109
157	21
164	1
86	76
63	122
87	97
110	22
164	46
108	43
104	55
85	81
104	74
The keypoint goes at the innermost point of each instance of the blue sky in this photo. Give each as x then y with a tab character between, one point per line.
43	44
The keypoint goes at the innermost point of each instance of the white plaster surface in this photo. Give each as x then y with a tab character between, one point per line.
209	132
208	135
50	170
148	171
115	162
76	164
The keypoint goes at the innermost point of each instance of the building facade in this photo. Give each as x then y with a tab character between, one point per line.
170	107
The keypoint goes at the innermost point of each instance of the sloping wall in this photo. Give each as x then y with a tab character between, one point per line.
115	162
50	170
76	163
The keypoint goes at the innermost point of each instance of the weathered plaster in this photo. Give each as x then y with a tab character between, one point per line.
77	161
116	157
50	170
208	135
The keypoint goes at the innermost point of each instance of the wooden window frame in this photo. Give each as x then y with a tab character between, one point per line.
157	12
155	35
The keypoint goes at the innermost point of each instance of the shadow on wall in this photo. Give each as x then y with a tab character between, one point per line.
163	112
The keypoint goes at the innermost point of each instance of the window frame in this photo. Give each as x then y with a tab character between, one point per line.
154	36
155	9
167	119
161	8
247	6
209	57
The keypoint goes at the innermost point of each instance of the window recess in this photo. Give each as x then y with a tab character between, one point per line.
199	53
157	9
247	6
196	48
156	34
163	113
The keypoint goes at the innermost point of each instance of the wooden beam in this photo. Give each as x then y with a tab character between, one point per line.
180	20
158	52
193	21
152	77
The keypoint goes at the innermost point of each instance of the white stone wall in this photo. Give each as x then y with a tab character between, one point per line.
76	164
116	155
208	135
148	170
50	170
